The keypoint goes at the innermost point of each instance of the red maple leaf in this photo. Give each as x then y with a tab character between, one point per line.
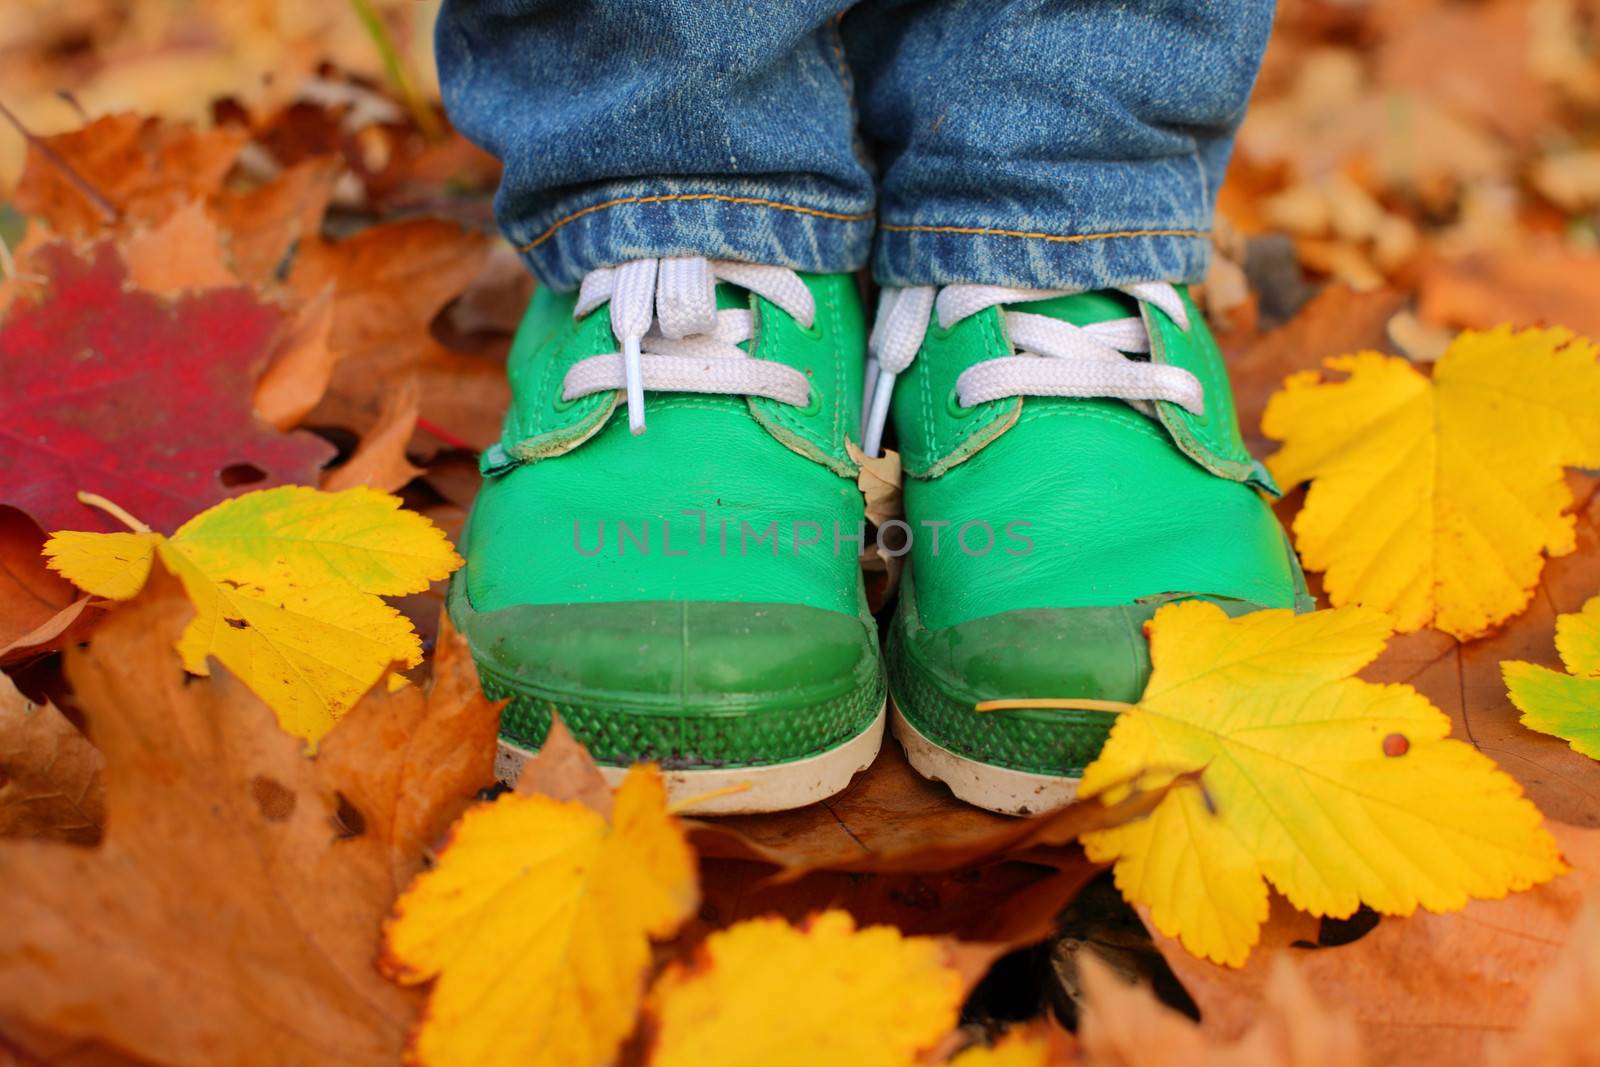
113	390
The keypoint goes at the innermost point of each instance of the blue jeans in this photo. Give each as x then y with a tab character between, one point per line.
1074	144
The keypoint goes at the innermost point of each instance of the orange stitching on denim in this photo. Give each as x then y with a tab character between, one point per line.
1076	238
756	201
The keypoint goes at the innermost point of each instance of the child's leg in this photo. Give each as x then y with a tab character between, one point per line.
635	128
1062	145
1063	414
689	595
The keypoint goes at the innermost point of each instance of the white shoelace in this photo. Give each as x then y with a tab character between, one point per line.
1054	358
673	339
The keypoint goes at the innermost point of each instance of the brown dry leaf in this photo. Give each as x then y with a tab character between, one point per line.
388	283
50	775
380	459
1339	319
1570	180
32	596
496	299
889	807
231	914
264	224
1528	286
879	481
950	852
1559	1028
1474	59
563	770
1124	1026
302	365
181	253
144	168
1425	990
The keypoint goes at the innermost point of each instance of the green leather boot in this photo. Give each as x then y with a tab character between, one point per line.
688	595
1073	462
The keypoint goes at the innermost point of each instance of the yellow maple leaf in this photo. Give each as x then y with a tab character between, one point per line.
285	584
1566	705
1337	791
1432	499
537	922
766	994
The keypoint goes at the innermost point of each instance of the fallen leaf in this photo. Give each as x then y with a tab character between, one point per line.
1435	499
388	282
535	927
1464	679
182	254
1124	1026
301	367
31	595
563	770
50	775
1532	284
1426	990
1023	1046
155	410
1559	1028
879	482
888	808
764	992
1566	705
231	913
145	170
264	224
380	459
1338	319
1336	791
285	583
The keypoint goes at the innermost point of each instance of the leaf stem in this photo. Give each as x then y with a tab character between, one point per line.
95	500
1055	704
678	807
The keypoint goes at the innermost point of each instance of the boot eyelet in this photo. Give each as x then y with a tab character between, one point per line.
814	331
953	405
561	403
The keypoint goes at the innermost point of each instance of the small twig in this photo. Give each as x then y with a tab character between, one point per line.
52	157
95	500
444	435
421	113
1053	704
72	102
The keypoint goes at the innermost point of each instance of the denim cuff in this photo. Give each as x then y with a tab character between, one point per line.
806	229
928	254
1046	225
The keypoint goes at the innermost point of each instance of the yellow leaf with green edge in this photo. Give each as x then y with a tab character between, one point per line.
1566	705
1433	499
763	993
1337	791
286	585
535	927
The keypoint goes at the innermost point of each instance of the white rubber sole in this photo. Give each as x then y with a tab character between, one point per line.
998	789
744	790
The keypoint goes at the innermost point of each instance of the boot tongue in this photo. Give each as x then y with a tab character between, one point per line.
1082	309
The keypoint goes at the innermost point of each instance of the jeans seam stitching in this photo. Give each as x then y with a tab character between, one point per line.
661	197
1075	238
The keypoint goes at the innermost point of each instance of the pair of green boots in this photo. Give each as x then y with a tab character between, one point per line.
692	595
